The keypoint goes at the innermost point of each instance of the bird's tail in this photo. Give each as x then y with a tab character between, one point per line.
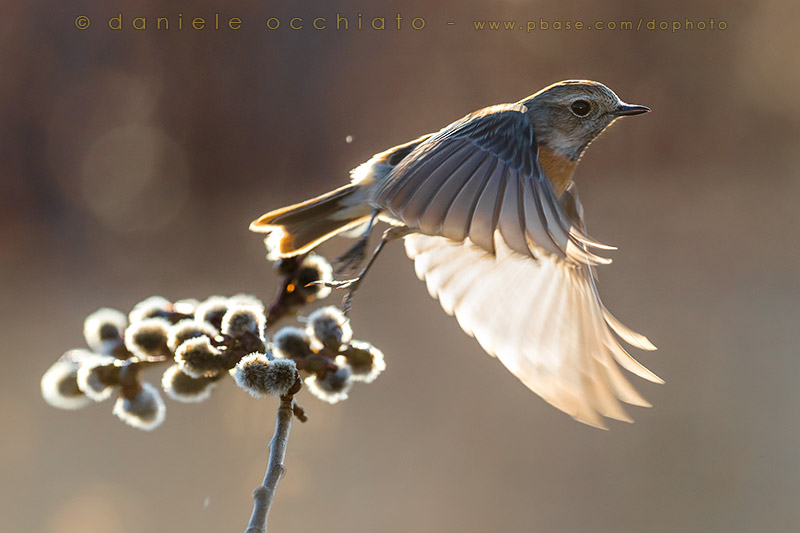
298	228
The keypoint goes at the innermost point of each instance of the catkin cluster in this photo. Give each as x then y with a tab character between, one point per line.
202	342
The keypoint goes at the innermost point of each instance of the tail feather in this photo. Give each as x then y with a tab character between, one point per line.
298	228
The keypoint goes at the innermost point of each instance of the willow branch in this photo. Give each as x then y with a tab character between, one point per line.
264	494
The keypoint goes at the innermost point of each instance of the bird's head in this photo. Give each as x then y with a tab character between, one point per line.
568	115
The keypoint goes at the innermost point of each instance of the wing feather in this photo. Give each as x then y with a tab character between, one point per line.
541	318
484	218
636	340
536	223
439	203
399	191
478	174
511	221
459	215
416	204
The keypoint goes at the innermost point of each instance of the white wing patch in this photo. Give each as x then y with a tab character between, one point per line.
541	317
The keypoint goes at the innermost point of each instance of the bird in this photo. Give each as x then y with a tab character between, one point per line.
489	213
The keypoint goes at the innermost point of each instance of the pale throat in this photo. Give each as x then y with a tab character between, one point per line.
558	168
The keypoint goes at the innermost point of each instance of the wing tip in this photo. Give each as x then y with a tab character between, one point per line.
645	344
577	234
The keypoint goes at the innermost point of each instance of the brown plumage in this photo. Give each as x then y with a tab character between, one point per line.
497	233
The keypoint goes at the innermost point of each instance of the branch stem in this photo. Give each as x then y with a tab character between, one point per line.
265	493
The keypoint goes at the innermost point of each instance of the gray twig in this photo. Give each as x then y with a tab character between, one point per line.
264	494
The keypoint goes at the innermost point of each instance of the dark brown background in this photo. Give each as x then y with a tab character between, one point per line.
132	164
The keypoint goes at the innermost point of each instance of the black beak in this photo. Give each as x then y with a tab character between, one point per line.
624	110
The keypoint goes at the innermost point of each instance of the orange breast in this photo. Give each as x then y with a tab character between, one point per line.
559	169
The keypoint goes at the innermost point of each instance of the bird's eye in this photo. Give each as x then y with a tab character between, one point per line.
580	107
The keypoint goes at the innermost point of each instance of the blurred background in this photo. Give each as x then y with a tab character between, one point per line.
131	164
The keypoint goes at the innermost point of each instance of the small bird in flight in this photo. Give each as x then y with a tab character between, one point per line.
491	217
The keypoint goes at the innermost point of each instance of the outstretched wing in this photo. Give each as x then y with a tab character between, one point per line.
481	175
541	317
